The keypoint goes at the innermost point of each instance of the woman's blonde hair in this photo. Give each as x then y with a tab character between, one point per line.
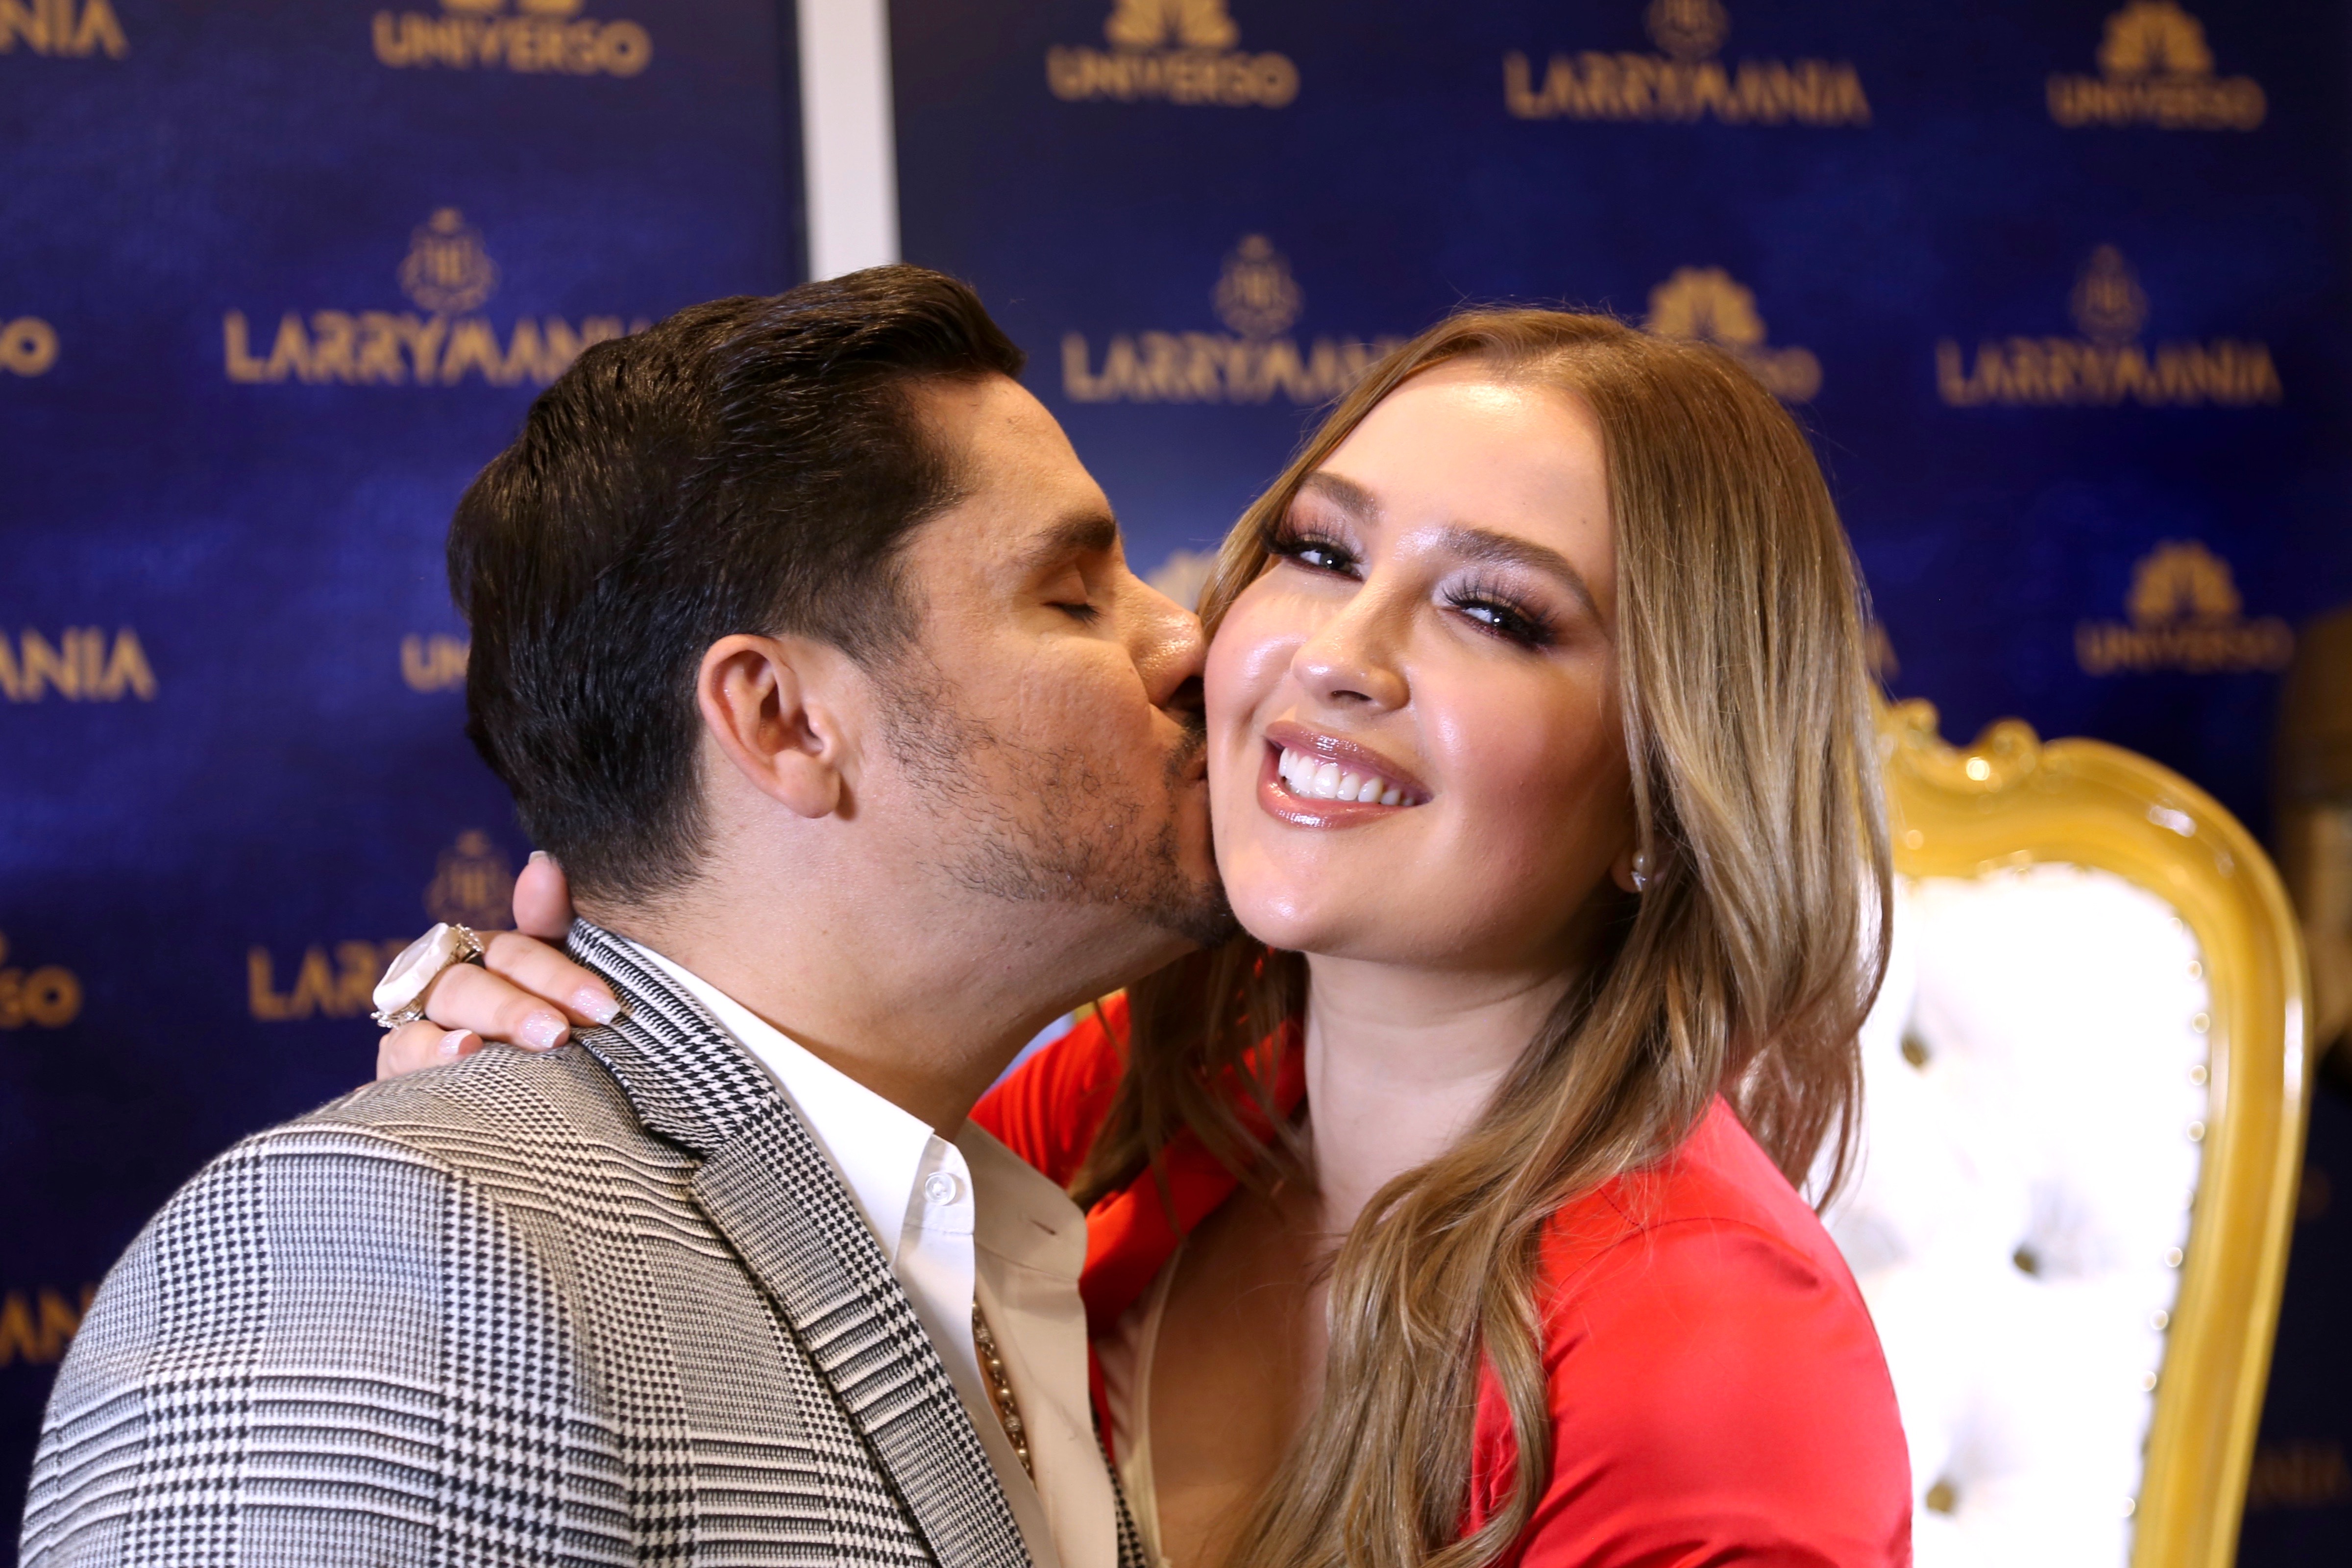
1744	969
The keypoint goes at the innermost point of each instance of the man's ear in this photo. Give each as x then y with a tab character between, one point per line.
778	708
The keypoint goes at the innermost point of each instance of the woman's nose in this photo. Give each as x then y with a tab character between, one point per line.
1351	662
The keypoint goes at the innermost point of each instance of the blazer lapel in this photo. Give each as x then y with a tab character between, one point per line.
767	1187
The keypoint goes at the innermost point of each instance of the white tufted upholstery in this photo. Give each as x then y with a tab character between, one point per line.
2034	1074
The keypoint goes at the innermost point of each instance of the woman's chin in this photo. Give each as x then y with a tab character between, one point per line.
1304	904
1313	926
1278	916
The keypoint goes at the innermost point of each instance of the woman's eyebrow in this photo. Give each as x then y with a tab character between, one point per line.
1485	544
1346	494
1466	541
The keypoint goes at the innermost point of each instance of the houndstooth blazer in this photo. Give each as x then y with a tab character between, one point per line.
600	1306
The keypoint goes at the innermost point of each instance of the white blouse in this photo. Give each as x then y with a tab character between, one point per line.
1126	1356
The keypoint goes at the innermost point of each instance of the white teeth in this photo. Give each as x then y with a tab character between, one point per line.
1311	780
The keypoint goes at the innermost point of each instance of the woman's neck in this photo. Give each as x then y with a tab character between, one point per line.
1400	1063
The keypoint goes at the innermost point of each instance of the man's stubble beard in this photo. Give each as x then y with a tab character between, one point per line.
1047	825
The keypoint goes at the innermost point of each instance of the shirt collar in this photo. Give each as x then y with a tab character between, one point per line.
877	1148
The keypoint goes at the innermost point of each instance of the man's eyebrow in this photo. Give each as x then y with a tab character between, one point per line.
1084	533
1485	544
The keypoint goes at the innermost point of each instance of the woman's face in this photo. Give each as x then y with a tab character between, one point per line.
1435	637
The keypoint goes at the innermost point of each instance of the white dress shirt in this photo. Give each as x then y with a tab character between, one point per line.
963	1220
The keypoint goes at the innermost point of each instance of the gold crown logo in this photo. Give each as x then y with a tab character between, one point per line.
1688	29
2109	303
2185	616
1256	296
473	885
1155	24
447	272
2154	38
1706	304
2181	581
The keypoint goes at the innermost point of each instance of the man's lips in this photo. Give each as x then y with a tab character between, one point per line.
1313	779
1187	762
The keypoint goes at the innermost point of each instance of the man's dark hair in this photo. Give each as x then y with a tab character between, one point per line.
752	465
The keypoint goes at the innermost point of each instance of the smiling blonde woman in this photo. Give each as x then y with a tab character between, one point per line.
1480	1145
1450	1216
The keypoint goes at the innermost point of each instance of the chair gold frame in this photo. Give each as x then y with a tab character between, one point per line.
2011	800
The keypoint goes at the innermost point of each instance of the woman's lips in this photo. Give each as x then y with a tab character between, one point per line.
1315	779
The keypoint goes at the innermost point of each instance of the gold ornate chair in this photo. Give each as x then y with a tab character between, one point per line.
2082	1140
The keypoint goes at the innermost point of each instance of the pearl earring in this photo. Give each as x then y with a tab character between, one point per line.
1641	872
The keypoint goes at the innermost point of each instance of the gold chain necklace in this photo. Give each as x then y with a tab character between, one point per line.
1000	1390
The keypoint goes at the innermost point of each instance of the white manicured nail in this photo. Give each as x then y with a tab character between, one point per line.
540	1031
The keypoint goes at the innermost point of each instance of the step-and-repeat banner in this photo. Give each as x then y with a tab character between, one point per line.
276	278
2060	285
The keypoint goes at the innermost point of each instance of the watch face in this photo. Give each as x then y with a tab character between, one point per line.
418	962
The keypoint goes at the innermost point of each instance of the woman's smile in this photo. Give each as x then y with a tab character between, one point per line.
1311	778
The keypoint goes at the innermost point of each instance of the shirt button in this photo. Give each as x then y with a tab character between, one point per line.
941	1188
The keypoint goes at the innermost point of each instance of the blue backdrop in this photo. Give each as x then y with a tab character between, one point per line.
2060	285
276	280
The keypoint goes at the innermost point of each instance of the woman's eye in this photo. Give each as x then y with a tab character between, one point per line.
1504	621
1080	611
1315	554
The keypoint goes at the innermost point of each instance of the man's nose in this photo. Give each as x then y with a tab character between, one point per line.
1170	651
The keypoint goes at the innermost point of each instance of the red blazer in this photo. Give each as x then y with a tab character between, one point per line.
1718	1391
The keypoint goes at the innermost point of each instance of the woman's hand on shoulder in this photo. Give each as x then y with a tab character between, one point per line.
525	992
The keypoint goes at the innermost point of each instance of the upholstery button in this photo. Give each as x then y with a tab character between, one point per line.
941	1188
